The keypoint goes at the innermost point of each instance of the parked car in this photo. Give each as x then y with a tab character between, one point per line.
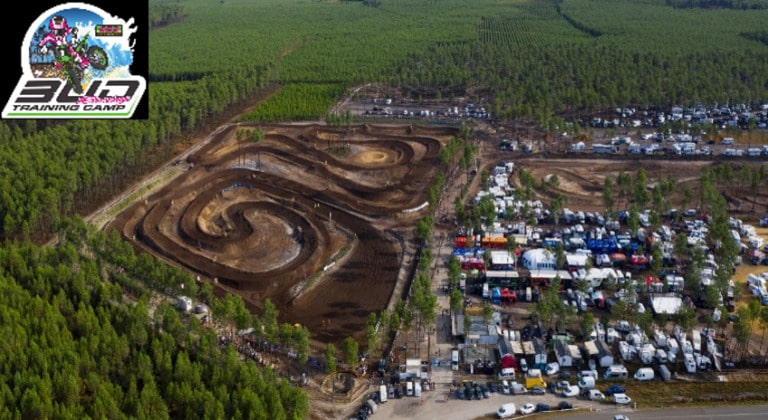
552	368
537	390
541	407
620	417
564	405
505	387
492	387
571	391
460	394
558	386
484	390
621	398
527	408
615	389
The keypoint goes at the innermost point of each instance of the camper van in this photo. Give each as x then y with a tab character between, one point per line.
644	374
454	360
616	372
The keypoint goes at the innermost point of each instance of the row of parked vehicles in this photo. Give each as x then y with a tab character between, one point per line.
510	409
472	390
614	392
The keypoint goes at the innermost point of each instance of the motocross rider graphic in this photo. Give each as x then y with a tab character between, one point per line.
58	37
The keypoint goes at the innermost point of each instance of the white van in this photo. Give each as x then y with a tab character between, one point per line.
616	372
409	388
595	395
506	410
644	374
507	373
517	388
586	382
528	294
454	360
383	394
416	389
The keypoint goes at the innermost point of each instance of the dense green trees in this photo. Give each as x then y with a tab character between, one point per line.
89	352
162	13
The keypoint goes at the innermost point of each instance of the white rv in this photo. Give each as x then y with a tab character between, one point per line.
690	363
672	346
696	336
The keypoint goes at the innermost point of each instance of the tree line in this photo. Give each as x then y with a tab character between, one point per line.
718	4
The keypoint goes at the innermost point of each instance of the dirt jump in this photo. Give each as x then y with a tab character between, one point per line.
313	217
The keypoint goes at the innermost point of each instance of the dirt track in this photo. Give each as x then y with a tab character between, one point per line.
314	218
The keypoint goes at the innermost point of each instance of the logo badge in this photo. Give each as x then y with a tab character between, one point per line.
76	64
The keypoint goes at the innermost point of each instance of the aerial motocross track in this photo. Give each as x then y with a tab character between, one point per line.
313	217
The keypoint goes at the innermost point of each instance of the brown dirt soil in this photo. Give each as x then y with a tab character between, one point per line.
314	218
582	180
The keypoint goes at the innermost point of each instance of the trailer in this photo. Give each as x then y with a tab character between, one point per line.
696	338
664	372
604	148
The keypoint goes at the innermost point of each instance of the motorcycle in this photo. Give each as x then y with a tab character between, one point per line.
75	58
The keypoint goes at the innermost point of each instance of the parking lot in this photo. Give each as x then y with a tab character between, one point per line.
439	404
